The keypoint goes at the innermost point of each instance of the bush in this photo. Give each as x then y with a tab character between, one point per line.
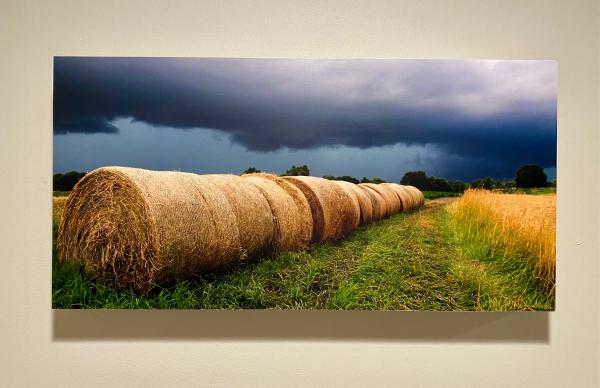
66	181
342	178
298	170
251	170
376	180
484	183
421	181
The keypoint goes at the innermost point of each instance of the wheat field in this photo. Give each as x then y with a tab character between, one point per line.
517	225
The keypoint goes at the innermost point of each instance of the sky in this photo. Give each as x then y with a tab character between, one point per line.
375	118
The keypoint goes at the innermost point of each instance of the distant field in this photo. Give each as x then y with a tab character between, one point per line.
533	191
439	194
58	193
411	261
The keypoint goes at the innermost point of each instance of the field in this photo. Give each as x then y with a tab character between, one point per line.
522	227
439	194
431	259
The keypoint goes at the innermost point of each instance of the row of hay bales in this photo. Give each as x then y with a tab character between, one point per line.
137	228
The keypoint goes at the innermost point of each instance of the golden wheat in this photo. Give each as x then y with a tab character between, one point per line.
58	205
514	223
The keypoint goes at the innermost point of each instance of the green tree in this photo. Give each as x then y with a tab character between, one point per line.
457	186
251	170
484	183
342	178
418	179
372	180
531	176
439	184
298	170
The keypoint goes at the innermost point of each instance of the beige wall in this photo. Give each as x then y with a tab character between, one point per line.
40	347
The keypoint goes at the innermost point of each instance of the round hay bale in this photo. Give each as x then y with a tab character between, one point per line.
290	209
404	196
333	211
392	201
363	200
377	202
252	211
414	201
137	228
418	196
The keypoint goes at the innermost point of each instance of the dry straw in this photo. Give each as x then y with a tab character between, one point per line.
364	202
417	195
252	212
392	201
513	224
290	211
138	228
404	196
58	206
334	212
377	202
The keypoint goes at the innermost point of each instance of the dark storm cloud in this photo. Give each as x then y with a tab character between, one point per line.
502	113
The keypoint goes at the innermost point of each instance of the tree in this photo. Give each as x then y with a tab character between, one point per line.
439	184
485	183
376	180
298	170
251	170
341	178
416	178
457	186
531	176
65	182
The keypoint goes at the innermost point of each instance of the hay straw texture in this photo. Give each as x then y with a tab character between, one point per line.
58	205
377	203
392	201
406	200
417	195
334	212
363	200
252	211
290	211
137	228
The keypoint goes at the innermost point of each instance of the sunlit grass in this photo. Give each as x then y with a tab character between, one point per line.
412	261
519	226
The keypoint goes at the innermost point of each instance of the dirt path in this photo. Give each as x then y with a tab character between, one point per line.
435	203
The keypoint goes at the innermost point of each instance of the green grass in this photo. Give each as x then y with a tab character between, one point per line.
530	191
415	261
439	194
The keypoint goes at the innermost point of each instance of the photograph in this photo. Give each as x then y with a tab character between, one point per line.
304	184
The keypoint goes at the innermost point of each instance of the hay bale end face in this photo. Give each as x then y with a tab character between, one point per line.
138	228
364	202
290	210
392	201
333	211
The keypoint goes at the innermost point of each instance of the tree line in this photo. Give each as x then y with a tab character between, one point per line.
529	176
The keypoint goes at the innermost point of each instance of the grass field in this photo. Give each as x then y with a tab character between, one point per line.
522	227
439	194
411	261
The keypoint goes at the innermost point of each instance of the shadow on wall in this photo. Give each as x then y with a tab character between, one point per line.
402	326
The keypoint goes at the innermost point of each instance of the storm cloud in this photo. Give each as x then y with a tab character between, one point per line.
495	114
